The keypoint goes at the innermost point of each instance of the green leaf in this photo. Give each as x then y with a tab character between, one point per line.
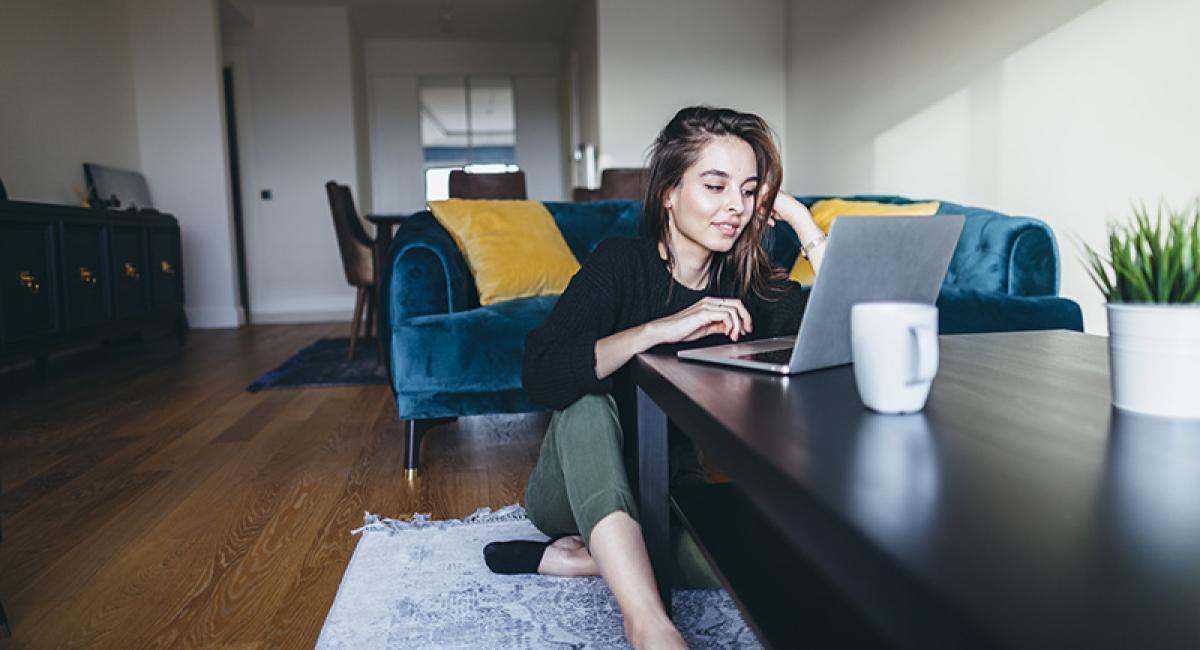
1152	258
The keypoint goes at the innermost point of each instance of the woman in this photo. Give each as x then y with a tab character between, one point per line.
699	275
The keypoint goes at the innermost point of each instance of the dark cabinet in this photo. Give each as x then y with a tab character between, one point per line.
28	286
127	264
167	282
85	284
69	275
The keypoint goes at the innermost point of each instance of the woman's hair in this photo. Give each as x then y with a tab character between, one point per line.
745	268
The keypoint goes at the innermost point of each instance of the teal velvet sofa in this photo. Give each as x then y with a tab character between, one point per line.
450	357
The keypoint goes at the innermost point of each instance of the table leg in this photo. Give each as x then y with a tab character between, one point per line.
383	241
5	630
653	498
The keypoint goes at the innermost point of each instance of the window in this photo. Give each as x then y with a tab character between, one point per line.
466	123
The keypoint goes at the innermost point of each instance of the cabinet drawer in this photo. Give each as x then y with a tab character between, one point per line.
85	279
165	267
127	264
27	288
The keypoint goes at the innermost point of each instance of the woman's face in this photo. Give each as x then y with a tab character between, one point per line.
714	201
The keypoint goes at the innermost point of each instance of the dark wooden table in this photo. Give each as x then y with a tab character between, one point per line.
384	223
1017	511
383	237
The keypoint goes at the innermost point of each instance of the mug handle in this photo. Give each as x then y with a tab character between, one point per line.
925	354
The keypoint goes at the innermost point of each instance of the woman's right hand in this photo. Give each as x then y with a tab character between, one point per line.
726	316
709	316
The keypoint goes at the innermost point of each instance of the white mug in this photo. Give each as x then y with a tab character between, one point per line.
895	352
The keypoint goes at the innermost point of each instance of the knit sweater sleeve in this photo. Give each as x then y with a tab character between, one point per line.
560	355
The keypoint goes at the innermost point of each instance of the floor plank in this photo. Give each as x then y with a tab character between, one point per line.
149	501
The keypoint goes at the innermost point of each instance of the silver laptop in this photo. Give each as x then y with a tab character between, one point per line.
866	259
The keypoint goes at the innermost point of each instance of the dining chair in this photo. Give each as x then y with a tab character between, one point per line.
616	183
624	183
504	185
358	261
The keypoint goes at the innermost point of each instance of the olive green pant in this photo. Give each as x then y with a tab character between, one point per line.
580	478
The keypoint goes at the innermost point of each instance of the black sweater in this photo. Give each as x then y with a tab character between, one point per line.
624	283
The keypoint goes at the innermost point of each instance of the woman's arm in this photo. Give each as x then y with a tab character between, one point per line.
796	215
576	351
559	362
726	316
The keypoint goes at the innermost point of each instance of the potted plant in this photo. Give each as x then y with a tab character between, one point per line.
1151	280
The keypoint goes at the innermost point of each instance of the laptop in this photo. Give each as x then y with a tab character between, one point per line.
867	259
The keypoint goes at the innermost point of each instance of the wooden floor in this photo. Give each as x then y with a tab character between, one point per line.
149	501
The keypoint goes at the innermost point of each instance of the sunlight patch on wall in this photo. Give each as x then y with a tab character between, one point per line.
928	154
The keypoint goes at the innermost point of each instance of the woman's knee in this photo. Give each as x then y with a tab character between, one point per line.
591	417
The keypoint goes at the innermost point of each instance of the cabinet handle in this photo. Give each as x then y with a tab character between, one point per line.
167	268
131	271
29	281
87	277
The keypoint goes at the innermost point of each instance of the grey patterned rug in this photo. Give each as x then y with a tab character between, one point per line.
423	584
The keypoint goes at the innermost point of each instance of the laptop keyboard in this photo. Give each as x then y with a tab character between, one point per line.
780	357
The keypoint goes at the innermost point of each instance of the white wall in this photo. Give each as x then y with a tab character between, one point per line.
1066	111
181	132
657	57
362	131
302	134
397	174
539	136
582	104
67	76
393	69
385	57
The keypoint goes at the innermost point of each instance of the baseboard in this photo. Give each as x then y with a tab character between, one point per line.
213	317
329	315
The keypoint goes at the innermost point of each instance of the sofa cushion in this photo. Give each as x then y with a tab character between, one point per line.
477	350
962	311
825	211
585	225
514	248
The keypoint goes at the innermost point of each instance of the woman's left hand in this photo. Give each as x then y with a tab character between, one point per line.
795	214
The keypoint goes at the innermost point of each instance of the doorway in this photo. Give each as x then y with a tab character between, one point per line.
235	186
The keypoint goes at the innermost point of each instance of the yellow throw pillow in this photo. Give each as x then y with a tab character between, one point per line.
514	248
824	212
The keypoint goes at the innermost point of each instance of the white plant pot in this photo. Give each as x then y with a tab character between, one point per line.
1154	358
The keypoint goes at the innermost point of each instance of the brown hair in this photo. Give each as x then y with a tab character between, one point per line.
745	269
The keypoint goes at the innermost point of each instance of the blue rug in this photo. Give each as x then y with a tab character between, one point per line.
324	364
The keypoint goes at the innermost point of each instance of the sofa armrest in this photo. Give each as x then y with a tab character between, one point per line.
963	311
425	273
1017	256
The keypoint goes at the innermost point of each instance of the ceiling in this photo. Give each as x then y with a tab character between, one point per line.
484	20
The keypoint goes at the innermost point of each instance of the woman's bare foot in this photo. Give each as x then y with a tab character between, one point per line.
654	636
567	556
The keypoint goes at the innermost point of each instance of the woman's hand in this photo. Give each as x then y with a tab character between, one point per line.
726	316
795	214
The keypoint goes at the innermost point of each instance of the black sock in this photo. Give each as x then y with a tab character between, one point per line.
514	557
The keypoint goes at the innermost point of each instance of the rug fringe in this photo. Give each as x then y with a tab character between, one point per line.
376	524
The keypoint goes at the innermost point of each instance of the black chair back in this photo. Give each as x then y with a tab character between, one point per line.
506	185
353	241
